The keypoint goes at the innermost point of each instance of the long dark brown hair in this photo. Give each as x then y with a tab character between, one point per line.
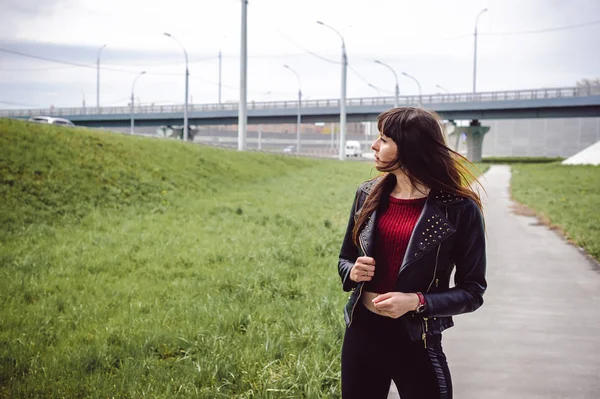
424	157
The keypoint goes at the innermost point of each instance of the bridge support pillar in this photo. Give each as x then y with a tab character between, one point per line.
164	131
177	132
474	134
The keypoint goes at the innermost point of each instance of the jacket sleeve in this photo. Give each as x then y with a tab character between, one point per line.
469	257
349	252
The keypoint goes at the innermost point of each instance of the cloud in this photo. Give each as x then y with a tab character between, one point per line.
14	12
29	7
430	39
87	54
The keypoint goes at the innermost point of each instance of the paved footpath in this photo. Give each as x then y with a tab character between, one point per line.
538	333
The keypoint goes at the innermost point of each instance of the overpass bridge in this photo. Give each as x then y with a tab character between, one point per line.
516	104
566	102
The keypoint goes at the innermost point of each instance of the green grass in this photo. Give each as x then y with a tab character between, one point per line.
567	196
478	169
49	173
512	160
134	267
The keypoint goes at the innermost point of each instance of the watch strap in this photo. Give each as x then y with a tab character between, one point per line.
422	303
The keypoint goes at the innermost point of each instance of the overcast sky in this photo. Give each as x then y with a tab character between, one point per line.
429	39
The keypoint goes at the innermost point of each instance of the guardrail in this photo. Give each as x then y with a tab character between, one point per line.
534	94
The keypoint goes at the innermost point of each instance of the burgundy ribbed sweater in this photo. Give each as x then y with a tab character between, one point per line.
394	228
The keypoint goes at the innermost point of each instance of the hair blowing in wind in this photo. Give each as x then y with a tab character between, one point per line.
423	156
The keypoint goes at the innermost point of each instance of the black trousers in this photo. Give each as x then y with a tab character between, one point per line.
377	350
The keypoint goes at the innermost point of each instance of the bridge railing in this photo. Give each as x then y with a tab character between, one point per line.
425	100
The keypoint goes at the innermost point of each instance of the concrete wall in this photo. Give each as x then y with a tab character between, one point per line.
540	137
519	137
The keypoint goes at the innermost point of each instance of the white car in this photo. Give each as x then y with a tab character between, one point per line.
353	148
51	120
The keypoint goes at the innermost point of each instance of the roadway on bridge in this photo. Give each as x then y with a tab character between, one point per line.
537	334
566	102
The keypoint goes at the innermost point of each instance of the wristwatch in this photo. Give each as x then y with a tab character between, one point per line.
421	307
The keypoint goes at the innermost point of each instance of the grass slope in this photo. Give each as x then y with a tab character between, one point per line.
136	267
50	172
567	196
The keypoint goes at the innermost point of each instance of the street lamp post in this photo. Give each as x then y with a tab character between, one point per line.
475	51
220	73
132	100
260	128
299	107
419	86
397	89
243	104
98	79
187	75
342	146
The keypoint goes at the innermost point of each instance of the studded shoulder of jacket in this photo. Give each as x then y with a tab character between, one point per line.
367	186
446	199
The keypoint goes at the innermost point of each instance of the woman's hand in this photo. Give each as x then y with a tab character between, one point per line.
396	304
363	269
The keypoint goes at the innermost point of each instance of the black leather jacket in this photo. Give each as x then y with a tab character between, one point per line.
450	232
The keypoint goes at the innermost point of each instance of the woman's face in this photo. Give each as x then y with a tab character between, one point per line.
385	150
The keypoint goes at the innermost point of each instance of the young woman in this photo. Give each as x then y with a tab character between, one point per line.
408	229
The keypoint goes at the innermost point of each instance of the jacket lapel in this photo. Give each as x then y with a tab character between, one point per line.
432	227
367	235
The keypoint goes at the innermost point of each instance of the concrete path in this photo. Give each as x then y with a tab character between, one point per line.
538	332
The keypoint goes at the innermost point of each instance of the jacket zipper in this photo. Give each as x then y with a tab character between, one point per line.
435	269
361	286
425	319
424	336
354	306
424	326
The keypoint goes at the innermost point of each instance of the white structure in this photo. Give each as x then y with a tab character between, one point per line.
589	156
